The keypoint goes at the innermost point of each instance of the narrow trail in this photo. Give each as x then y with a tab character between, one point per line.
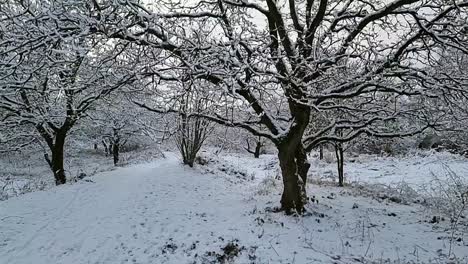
130	215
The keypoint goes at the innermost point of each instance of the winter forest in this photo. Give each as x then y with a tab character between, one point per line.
233	131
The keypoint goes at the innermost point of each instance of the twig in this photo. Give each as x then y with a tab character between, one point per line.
11	216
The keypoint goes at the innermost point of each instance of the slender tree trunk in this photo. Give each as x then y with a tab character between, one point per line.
115	153
258	148
340	163
106	149
115	145
321	152
191	154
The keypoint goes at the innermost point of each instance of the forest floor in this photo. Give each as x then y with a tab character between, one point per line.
220	212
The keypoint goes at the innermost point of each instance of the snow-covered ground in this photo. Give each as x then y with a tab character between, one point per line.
416	169
163	212
26	171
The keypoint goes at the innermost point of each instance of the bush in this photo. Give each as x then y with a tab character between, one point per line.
448	196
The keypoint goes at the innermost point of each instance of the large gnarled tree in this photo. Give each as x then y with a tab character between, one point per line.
281	62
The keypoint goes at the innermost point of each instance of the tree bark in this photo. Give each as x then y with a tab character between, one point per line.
56	143
56	163
293	161
294	167
290	200
321	152
302	163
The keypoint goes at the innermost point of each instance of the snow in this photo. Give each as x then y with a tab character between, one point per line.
415	169
164	212
27	170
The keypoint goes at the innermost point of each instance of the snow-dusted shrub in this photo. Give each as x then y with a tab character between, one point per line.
201	160
10	187
448	194
384	146
236	172
143	154
401	193
329	157
267	186
131	146
405	193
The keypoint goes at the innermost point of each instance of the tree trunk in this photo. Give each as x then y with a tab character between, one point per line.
293	162
115	153
258	148
106	149
57	159
56	143
188	152
340	162
294	168
321	152
193	154
190	162
302	163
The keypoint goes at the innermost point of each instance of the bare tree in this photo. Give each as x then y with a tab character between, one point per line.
451	70
256	150
54	66
192	130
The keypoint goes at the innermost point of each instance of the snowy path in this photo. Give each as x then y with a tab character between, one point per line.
130	216
163	212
